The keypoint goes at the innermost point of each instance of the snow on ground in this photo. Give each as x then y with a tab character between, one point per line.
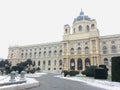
29	81
3	77
109	85
35	75
6	78
29	78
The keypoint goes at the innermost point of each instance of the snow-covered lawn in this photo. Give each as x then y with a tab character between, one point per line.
6	78
30	81
3	77
109	85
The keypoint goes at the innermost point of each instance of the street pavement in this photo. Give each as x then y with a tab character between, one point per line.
49	82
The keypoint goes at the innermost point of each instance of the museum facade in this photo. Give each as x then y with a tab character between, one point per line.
81	46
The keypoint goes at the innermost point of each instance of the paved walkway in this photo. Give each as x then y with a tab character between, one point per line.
49	82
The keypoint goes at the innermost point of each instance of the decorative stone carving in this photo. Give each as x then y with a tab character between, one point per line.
12	76
22	75
17	72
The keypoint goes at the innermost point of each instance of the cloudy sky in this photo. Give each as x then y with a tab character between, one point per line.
24	22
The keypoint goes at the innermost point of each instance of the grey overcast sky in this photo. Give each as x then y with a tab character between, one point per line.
24	22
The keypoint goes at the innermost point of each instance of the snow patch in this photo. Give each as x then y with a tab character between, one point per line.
109	85
30	81
35	75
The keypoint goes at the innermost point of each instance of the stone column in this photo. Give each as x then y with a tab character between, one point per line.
75	63
97	63
68	63
95	60
92	60
98	60
83	63
65	63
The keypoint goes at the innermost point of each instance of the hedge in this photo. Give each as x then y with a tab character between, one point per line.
101	73
71	73
89	71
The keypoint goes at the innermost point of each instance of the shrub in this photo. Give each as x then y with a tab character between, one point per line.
106	69
116	69
83	72
101	73
28	71
71	73
103	66
38	69
7	69
65	73
17	68
33	70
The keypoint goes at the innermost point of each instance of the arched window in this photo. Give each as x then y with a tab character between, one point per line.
92	26
44	65
72	64
87	62
43	62
49	53
54	68
105	50
106	61
34	54
65	30
34	63
38	63
86	50
60	68
79	64
30	54
10	63
114	49
80	28
26	55
60	52
72	51
79	50
48	68
74	30
55	52
44	53
87	28
112	41
55	62
49	63
21	55
39	54
60	62
104	42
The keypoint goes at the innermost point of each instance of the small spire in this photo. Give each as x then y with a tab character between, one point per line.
81	13
81	9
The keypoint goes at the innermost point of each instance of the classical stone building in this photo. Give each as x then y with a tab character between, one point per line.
48	57
81	46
